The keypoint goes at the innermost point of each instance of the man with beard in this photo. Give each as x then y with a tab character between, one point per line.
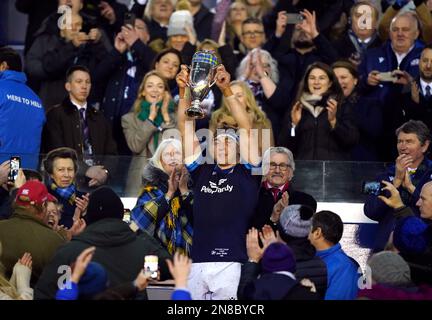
417	102
307	46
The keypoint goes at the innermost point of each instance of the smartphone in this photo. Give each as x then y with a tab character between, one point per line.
294	18
372	187
151	266
15	165
387	76
129	18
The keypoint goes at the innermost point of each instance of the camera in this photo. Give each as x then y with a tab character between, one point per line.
372	188
15	165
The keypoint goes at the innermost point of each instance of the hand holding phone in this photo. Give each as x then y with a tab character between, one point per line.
387	76
294	18
129	19
372	188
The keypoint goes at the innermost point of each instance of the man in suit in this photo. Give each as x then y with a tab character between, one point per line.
76	125
417	102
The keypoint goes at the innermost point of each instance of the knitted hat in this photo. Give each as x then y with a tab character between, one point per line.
104	203
178	22
33	192
93	281
296	220
409	235
389	268
278	257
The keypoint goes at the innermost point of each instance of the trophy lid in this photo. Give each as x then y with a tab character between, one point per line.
205	56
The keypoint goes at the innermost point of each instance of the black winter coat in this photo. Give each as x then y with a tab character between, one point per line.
118	249
266	203
62	129
308	266
270	286
51	56
315	139
37	12
368	119
346	48
113	68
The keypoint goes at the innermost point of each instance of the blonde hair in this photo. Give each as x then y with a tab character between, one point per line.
5	286
149	8
223	114
183	5
140	98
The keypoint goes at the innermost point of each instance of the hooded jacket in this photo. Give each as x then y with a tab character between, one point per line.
118	249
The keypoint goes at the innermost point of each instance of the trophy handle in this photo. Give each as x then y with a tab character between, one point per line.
189	83
214	80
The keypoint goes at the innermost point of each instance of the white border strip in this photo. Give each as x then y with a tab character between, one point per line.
349	212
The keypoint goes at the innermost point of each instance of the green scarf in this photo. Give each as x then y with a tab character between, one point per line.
145	112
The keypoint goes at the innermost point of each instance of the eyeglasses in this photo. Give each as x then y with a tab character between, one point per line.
252	33
282	166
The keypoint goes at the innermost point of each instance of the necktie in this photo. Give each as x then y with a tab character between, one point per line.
275	192
85	132
428	92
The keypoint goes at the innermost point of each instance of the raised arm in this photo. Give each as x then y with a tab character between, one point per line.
185	124
247	140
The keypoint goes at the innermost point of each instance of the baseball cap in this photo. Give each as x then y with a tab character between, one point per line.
33	192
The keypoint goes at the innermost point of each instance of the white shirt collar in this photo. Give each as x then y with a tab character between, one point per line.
270	186
424	84
367	40
400	57
79	107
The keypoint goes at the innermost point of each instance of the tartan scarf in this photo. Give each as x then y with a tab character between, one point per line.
174	231
68	193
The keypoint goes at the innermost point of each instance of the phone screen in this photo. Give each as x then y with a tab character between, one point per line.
15	165
372	187
151	266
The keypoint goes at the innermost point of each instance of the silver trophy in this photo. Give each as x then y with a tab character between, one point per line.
201	79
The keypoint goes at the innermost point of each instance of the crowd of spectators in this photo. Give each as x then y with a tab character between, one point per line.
337	80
